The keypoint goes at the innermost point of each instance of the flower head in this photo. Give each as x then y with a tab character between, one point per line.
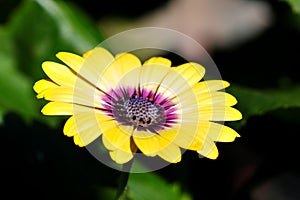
151	108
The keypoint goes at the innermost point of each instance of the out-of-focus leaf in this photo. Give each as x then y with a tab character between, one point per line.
294	17
36	31
149	186
295	5
106	193
15	87
2	112
253	102
42	28
73	25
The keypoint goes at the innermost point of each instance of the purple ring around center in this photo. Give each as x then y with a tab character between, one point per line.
143	109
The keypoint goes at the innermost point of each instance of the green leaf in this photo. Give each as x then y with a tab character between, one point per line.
295	5
149	186
36	31
15	88
42	28
294	16
74	27
252	102
106	192
2	112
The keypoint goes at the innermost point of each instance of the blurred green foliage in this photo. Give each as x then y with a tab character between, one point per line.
38	29
145	186
253	102
15	87
295	5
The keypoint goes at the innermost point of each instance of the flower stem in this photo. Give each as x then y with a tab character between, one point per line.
121	191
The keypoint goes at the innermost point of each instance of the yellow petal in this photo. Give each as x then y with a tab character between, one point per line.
62	94
72	60
212	113
118	136
191	135
122	155
99	51
218	132
77	141
191	72
106	72
153	72
58	108
42	86
187	106
170	153
149	143
219	113
88	96
216	98
65	108
179	80
106	122
87	136
125	62
85	127
107	126
70	128
186	135
203	94
208	131
59	73
97	60
123	65
82	121
107	144
209	86
160	61
209	149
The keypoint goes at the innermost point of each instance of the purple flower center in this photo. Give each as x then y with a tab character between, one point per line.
144	110
141	111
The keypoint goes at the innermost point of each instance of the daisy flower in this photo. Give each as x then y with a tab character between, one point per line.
151	108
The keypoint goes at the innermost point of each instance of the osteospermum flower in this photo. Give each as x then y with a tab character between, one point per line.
151	108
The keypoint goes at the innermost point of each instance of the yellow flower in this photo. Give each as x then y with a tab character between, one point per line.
151	108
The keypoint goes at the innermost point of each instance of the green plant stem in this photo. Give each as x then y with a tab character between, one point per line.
121	191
